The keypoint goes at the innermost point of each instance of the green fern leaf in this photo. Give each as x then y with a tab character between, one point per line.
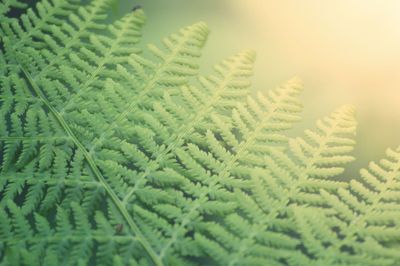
361	226
286	178
111	155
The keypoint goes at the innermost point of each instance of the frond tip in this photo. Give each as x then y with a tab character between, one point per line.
201	30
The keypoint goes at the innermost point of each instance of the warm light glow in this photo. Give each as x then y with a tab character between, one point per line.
344	51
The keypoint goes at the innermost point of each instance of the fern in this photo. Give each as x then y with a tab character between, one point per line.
262	229
7	5
113	155
361	227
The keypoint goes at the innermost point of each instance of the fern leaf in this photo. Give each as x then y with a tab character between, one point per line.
7	5
39	48
163	165
362	223
111	155
264	204
69	159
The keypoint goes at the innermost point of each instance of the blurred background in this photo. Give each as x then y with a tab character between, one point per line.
344	51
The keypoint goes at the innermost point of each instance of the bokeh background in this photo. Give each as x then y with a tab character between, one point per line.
345	51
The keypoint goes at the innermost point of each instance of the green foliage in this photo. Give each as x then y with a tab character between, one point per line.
111	155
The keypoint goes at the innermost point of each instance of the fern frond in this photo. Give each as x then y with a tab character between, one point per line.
362	222
111	155
71	237
158	170
172	64
50	91
264	222
7	5
47	44
35	20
